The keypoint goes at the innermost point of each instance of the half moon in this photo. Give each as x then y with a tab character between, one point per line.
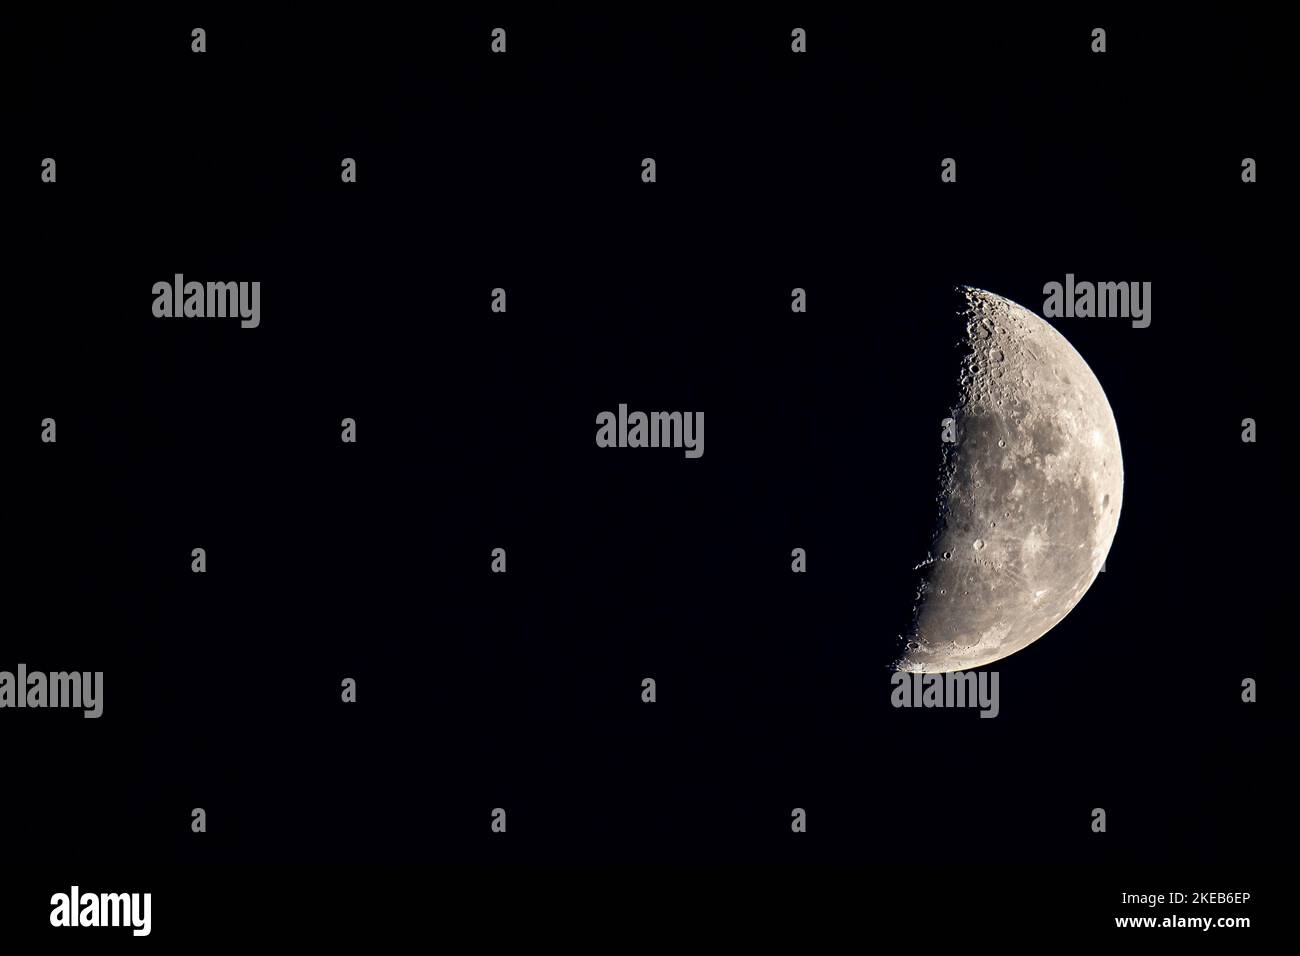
1030	494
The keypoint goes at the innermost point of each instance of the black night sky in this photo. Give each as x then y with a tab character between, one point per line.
475	431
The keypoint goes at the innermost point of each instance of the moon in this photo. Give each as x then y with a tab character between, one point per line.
1030	494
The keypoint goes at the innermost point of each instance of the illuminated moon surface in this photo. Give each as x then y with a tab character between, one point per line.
1029	499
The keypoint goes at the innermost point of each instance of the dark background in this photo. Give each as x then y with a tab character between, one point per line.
476	430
